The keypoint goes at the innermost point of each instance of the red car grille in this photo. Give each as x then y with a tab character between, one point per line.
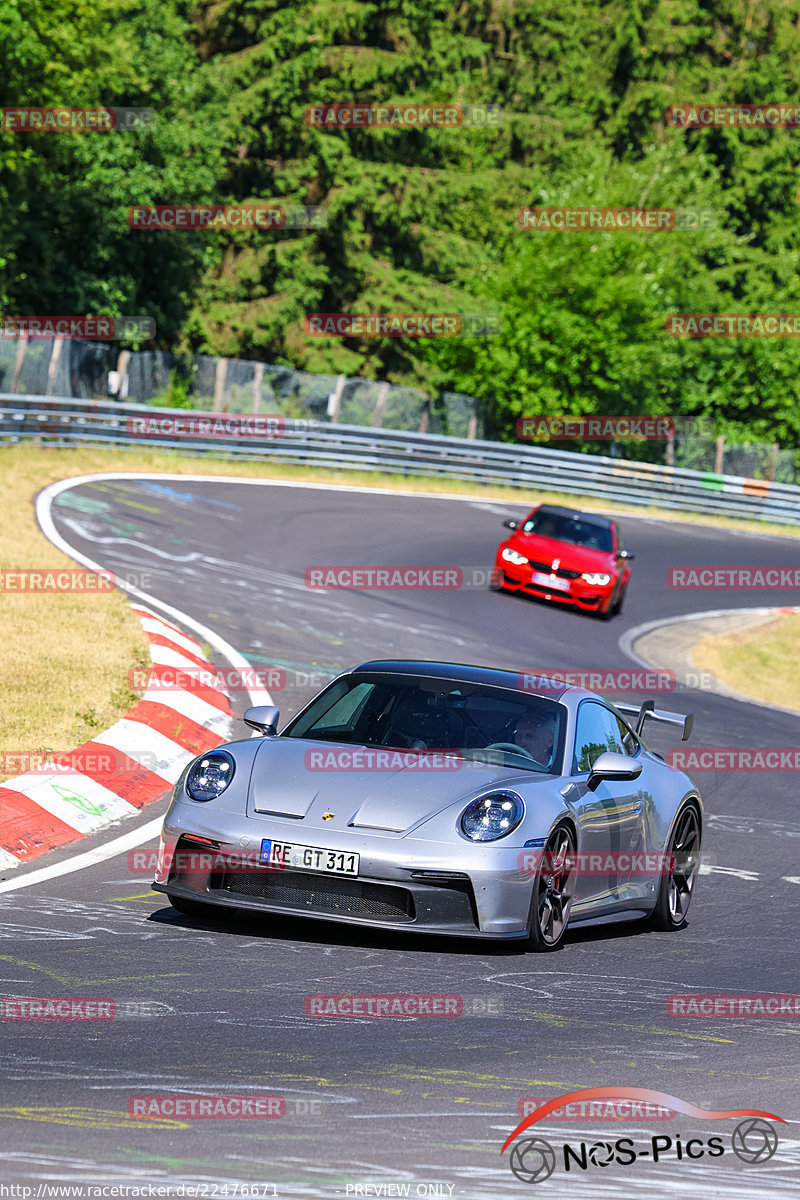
562	572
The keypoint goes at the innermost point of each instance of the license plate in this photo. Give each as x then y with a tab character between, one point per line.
307	858
551	581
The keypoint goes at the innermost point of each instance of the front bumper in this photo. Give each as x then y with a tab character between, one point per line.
579	594
399	886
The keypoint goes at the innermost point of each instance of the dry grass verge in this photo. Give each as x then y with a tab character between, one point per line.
759	662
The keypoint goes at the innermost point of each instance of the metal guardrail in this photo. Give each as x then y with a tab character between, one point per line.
61	421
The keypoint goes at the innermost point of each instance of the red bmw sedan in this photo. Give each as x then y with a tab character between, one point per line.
574	558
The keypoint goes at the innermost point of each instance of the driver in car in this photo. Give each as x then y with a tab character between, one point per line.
535	732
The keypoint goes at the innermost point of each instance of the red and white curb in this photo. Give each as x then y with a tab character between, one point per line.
183	713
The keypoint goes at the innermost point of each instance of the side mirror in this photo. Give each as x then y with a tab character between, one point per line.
626	554
510	524
613	766
264	718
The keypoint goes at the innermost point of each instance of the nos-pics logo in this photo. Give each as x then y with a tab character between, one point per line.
754	1140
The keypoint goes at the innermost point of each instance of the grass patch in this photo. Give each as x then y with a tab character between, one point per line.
759	662
68	655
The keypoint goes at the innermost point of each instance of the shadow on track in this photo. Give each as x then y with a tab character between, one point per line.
241	923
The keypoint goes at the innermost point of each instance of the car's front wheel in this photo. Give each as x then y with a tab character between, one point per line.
680	875
553	890
496	580
613	604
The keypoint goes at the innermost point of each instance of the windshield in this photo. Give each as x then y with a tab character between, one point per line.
493	725
569	529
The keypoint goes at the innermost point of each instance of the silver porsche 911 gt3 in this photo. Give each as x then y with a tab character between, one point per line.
440	798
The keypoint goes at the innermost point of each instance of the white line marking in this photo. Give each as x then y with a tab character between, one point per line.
738	872
44	502
167	656
627	639
163	629
90	858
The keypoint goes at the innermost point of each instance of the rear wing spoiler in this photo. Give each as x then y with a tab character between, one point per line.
648	709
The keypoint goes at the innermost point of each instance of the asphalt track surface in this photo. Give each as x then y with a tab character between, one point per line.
374	1105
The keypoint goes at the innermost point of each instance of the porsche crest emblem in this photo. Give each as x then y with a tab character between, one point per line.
328	816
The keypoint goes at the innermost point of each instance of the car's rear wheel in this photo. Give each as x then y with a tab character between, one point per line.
553	890
678	880
192	908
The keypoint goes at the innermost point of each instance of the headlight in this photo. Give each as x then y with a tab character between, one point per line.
491	817
513	556
598	580
210	775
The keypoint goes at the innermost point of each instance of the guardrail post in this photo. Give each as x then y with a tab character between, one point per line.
22	346
122	370
669	450
383	396
720	454
219	383
257	377
335	400
53	366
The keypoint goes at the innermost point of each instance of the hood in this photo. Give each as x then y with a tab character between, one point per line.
572	558
388	791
